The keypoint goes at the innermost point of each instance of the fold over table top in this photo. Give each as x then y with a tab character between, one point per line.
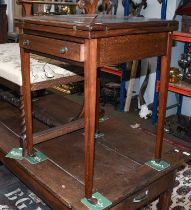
90	26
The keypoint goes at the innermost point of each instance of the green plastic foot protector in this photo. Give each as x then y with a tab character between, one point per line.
102	119
159	166
37	158
15	153
102	203
98	135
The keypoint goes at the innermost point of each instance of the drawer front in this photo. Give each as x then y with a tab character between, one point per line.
63	49
147	194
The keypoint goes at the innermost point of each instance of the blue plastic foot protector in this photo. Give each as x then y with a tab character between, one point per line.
102	202
159	166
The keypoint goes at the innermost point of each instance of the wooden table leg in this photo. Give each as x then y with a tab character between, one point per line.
165	198
26	91
27	8
90	73
97	102
163	91
23	143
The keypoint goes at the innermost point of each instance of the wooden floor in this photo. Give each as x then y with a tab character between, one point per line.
119	160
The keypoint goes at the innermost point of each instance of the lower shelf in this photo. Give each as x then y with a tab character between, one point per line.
181	87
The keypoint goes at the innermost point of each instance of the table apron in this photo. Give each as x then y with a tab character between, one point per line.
114	50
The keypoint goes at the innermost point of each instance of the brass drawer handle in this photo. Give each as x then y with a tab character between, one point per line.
141	197
63	50
26	42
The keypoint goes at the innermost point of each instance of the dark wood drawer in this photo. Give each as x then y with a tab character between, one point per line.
3	24
63	49
147	194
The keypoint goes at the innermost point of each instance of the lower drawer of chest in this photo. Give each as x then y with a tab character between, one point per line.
147	194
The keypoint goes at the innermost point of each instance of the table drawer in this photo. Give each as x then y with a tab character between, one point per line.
147	194
60	48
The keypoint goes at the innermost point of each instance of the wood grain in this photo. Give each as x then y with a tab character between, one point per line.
75	51
164	75
26	91
120	49
90	78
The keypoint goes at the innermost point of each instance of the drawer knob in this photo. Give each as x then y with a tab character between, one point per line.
26	42
141	197
63	50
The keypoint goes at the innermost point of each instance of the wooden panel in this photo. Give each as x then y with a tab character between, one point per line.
186	24
100	23
75	51
124	139
147	194
115	50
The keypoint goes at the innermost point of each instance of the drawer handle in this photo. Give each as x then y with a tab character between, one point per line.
26	42
63	50
141	197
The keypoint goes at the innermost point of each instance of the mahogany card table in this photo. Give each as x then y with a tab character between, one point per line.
93	41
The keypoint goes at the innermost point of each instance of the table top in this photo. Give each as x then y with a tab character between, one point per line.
101	23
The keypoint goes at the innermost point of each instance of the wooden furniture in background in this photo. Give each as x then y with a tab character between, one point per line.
41	84
27	4
185	8
3	23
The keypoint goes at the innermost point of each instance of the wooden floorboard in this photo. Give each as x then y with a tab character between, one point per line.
125	139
